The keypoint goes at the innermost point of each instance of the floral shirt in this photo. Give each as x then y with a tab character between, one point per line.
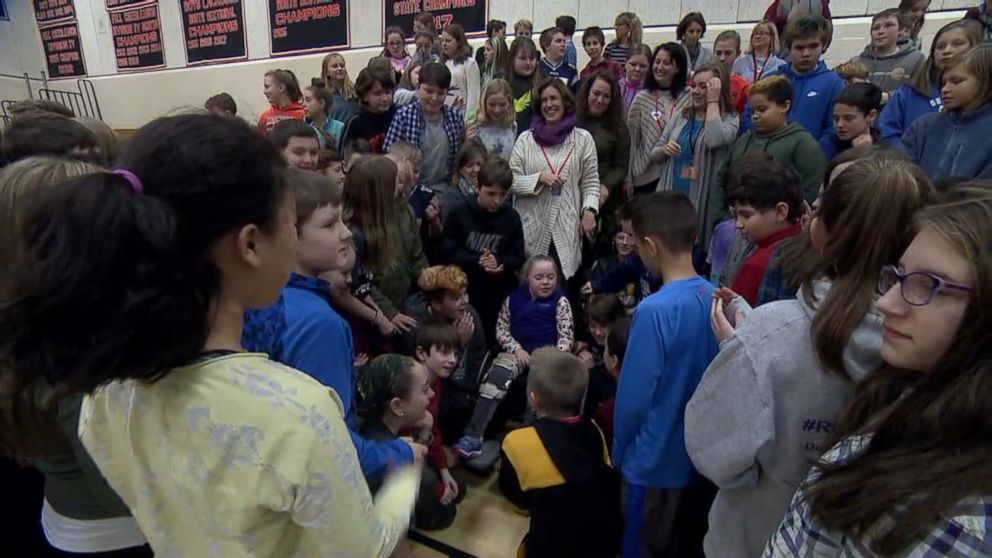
237	455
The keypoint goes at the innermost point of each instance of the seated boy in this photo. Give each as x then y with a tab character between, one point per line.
221	104
813	85
485	238
892	61
669	348
726	50
560	469
445	295
297	142
437	129
852	72
553	63
768	202
630	270
301	329
437	349
613	353
594	43
567	25
790	143
855	111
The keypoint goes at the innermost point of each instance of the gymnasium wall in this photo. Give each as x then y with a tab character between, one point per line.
129	100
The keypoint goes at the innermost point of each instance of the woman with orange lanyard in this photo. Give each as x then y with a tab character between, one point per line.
697	141
556	180
664	92
760	59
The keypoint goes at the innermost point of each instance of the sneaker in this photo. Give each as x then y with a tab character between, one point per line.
468	447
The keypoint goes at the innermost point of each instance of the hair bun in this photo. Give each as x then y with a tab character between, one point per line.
317	82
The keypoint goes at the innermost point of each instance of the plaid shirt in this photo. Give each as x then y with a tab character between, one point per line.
965	531
408	125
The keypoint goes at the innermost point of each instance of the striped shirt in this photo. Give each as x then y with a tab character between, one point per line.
617	52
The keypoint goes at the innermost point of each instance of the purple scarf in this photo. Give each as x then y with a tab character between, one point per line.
552	134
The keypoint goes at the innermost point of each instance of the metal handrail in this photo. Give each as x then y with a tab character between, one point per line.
84	102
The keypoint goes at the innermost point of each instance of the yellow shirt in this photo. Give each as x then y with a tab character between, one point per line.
241	456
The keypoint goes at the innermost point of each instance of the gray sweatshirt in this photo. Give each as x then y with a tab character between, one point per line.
890	71
763	412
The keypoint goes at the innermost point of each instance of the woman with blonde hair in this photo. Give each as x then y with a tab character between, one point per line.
335	74
760	58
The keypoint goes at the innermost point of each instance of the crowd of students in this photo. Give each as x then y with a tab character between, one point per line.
688	301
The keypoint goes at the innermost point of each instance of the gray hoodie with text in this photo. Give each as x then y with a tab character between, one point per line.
763	412
890	71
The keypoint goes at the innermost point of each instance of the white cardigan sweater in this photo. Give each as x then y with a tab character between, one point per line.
547	217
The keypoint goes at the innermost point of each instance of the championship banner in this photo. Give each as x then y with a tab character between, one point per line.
63	53
472	15
298	26
137	34
214	30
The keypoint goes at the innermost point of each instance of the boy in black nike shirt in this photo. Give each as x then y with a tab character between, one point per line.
485	238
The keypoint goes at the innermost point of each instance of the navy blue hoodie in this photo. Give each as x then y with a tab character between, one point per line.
813	97
949	144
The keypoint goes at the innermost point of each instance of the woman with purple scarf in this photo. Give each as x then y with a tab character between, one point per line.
556	180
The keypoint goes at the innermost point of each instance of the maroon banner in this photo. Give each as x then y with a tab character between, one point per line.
113	5
51	11
137	36
63	53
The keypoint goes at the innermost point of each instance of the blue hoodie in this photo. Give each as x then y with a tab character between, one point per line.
669	348
949	144
813	97
906	106
301	330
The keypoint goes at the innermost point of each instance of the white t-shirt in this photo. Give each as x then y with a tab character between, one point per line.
94	535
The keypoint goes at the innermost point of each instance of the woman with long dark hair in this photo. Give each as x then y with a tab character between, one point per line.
909	474
600	111
664	92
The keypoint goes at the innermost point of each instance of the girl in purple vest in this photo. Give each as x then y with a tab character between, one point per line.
535	315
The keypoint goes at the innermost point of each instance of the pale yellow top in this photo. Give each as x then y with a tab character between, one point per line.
241	456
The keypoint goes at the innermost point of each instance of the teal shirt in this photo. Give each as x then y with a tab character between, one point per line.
331	127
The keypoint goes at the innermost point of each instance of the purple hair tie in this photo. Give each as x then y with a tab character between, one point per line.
131	178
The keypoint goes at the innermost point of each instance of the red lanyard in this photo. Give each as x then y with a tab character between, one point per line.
563	163
754	62
657	111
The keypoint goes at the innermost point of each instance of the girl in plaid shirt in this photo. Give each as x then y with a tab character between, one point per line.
911	474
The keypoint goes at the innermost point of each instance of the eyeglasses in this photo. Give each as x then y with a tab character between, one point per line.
916	288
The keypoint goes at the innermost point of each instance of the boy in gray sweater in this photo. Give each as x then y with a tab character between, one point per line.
890	61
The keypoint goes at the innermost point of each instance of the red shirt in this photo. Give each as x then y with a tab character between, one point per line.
738	92
435	451
748	279
273	115
606	64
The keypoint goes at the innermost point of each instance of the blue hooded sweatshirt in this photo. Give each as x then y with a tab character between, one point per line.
669	347
949	144
813	97
906	106
301	330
